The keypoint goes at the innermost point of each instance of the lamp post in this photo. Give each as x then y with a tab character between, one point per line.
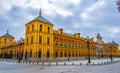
111	52
88	43
118	4
111	45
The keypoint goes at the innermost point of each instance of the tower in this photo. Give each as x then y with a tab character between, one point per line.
39	38
6	40
99	46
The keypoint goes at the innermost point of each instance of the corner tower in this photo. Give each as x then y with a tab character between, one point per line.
6	40
39	38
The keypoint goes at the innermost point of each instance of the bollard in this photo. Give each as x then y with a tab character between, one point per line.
26	62
64	63
49	63
72	63
42	63
33	62
98	63
107	62
56	63
37	63
80	63
102	63
29	62
87	63
93	64
23	62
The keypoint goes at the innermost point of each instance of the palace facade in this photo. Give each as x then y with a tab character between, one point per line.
42	41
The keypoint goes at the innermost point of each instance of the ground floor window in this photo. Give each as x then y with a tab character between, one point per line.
26	55
56	54
48	54
39	54
61	54
30	53
65	54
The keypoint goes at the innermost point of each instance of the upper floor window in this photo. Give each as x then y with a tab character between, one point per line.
48	40
72	45
68	44
60	43
65	44
78	46
32	39
40	39
48	29
5	41
40	27
56	43
32	27
28	29
11	41
27	40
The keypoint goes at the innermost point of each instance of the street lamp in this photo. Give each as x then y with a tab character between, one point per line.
111	45
118	4
88	43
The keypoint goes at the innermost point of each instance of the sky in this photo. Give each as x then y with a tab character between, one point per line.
87	17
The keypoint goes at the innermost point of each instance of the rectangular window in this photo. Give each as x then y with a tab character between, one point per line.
48	40
60	43
40	27
32	27
40	39
48	29
5	41
56	43
11	41
28	29
27	41
32	39
68	44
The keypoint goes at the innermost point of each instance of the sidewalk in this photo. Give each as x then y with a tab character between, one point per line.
78	62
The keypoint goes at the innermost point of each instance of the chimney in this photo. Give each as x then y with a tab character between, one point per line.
92	39
77	35
60	31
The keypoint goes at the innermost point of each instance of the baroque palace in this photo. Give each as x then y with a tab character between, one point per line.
42	41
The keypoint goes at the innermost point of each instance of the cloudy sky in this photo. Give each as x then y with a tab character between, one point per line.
85	16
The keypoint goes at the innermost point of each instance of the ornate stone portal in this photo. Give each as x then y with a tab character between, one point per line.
99	46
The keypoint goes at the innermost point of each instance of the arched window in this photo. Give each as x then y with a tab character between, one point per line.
48	29
40	27
40	39
48	54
